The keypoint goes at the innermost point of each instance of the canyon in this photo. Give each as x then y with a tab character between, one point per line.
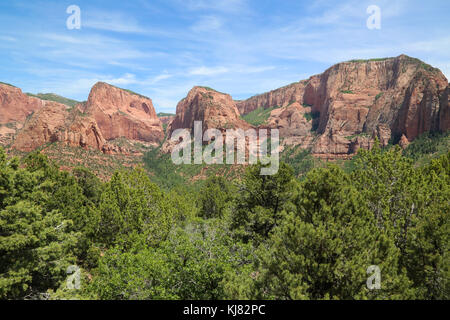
333	114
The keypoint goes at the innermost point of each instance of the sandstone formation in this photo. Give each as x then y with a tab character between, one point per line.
110	113
360	100
55	123
216	111
120	113
15	108
280	97
294	123
333	114
166	120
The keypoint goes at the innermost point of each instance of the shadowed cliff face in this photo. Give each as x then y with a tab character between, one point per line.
360	100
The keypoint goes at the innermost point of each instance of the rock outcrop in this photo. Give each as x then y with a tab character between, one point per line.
109	113
15	108
294	123
55	123
333	114
120	113
216	111
280	97
166	120
360	100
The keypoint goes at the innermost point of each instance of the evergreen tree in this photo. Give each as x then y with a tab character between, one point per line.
215	198
36	243
324	248
131	205
261	201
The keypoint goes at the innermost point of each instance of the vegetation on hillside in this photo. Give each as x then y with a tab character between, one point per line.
8	84
259	116
165	114
427	147
369	60
55	98
254	237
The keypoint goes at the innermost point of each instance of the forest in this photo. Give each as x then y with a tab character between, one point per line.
280	237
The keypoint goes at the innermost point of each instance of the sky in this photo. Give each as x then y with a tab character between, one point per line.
163	48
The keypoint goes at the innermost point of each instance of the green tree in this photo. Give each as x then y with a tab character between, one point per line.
215	198
427	255
190	264
322	249
261	201
390	185
36	244
131	205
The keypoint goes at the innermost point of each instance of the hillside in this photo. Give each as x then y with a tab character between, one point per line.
55	98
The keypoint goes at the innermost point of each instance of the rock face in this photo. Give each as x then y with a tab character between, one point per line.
280	97
216	111
110	113
166	120
360	100
120	113
333	114
294	123
55	123
15	108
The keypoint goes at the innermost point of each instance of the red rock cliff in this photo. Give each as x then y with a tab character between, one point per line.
15	107
120	113
214	109
55	123
360	100
109	113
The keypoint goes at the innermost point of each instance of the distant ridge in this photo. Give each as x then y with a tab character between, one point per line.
56	98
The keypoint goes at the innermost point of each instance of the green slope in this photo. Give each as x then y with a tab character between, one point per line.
55	98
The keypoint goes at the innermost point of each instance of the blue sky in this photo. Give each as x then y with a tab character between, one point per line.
162	48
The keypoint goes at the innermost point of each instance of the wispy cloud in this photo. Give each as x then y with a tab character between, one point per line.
126	79
162	48
111	21
228	6
158	78
206	71
8	38
207	23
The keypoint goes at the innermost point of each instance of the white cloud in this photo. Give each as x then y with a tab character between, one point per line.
111	21
8	38
205	71
207	23
159	78
126	79
245	69
88	51
226	6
